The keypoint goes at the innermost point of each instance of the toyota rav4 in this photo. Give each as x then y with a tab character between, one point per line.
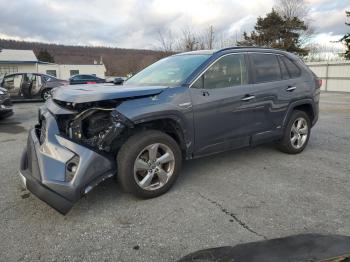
184	106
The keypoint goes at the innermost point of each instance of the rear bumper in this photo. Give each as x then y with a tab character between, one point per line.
44	166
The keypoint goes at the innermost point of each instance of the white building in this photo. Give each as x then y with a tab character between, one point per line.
25	61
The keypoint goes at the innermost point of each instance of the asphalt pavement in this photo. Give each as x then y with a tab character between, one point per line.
222	200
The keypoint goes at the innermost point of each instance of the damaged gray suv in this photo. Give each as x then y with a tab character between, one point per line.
184	106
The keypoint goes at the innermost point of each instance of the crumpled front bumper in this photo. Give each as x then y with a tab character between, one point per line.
44	162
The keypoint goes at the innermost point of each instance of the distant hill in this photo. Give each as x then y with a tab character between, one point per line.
118	61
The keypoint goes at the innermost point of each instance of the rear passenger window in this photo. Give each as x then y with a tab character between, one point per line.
293	70
265	67
284	71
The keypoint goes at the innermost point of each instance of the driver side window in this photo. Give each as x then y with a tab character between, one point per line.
228	71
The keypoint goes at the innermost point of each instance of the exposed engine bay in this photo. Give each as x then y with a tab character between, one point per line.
96	126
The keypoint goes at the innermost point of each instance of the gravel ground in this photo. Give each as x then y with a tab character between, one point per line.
230	198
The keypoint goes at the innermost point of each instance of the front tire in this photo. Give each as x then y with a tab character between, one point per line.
149	163
296	134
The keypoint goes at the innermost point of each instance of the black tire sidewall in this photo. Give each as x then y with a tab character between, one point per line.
130	150
43	93
285	144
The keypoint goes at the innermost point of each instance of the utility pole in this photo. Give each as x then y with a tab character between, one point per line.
211	37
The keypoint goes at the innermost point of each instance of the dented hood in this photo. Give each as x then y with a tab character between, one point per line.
98	92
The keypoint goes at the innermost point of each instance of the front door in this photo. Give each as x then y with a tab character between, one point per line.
13	84
223	107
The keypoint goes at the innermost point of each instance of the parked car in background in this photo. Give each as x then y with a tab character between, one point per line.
117	80
5	104
30	85
184	106
85	79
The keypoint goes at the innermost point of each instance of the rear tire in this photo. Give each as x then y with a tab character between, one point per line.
46	94
296	134
149	163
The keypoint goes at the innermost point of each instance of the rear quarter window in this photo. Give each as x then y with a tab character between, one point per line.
265	68
284	70
293	69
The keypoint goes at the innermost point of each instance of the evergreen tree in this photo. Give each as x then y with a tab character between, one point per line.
346	39
275	31
45	56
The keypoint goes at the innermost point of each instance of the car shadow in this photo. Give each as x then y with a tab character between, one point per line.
193	167
11	127
109	193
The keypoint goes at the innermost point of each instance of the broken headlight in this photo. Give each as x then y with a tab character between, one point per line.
97	127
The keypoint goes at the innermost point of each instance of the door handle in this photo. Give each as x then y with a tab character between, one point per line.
248	98
291	88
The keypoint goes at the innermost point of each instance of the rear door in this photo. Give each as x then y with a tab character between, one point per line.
268	85
37	85
294	85
31	85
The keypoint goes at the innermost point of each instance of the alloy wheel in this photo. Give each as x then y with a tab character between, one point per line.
299	133
154	166
46	95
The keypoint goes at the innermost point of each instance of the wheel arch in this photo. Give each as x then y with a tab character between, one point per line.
171	125
305	105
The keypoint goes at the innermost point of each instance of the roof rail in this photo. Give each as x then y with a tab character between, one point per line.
246	47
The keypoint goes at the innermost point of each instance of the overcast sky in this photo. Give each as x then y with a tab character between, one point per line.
136	23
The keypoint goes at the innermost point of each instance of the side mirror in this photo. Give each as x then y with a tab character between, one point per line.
118	81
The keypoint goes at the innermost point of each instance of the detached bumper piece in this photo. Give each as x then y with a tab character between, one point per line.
53	199
36	187
57	170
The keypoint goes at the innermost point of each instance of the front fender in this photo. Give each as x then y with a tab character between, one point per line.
173	103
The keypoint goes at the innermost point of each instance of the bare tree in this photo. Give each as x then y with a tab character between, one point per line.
209	38
323	52
166	41
189	41
225	40
292	8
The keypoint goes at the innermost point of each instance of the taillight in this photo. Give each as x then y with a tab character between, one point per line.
318	82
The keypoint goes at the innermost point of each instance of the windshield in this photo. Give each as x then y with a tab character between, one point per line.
170	71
